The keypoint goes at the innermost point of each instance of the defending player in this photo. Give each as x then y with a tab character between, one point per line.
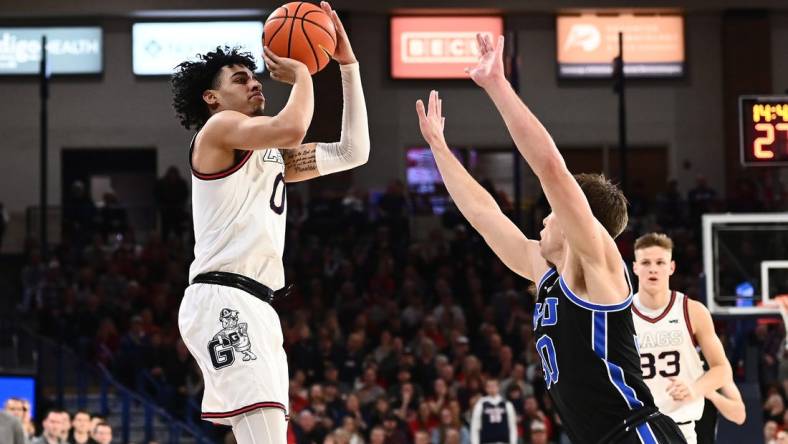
582	320
669	327
240	162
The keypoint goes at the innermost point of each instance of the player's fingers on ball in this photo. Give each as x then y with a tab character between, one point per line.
338	23
271	55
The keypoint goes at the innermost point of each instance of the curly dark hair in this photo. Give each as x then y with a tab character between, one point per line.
192	78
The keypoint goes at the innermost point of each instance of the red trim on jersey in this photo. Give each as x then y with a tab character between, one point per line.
220	174
662	315
687	320
242	410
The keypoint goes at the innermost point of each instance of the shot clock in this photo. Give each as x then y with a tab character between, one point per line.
763	130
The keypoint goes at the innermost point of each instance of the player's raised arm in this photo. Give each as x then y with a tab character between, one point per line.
318	159
585	235
516	251
719	368
232	129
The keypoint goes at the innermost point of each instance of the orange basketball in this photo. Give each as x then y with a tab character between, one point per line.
301	31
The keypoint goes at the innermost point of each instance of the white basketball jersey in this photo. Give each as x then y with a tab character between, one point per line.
239	218
668	350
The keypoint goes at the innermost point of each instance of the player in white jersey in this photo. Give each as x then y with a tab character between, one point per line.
669	327
240	162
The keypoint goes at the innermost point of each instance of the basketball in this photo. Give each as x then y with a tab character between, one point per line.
301	31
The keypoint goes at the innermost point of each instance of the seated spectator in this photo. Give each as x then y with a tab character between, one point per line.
421	437
423	420
377	435
53	429
450	425
102	433
393	430
20	408
65	419
350	427
538	432
773	408
80	433
770	432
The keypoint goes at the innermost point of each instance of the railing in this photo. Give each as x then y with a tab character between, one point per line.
176	428
61	372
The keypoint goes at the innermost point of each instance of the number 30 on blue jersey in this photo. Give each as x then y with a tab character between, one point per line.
545	315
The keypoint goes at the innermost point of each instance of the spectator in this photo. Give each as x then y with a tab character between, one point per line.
307	429
494	419
102	433
449	424
421	437
81	429
53	429
65	420
424	420
368	390
377	435
20	408
538	432
350	427
393	430
770	432
532	412
774	407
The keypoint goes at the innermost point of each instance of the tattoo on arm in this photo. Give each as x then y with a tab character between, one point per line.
301	160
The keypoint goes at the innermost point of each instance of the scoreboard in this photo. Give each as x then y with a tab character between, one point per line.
763	130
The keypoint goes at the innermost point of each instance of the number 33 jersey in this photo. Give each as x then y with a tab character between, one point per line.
589	359
668	350
239	218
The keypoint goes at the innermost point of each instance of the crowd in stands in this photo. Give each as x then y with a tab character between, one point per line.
57	426
391	330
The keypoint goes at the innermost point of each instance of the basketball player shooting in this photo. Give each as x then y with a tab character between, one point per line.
582	319
669	328
240	162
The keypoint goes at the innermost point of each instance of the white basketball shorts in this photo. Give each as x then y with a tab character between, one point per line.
236	339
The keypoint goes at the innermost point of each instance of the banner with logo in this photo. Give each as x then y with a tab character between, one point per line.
437	47
157	48
653	45
70	50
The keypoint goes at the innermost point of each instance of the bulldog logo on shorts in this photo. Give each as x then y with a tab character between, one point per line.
232	338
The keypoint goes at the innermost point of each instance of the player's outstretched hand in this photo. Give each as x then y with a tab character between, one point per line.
343	53
489	68
432	121
680	391
282	69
